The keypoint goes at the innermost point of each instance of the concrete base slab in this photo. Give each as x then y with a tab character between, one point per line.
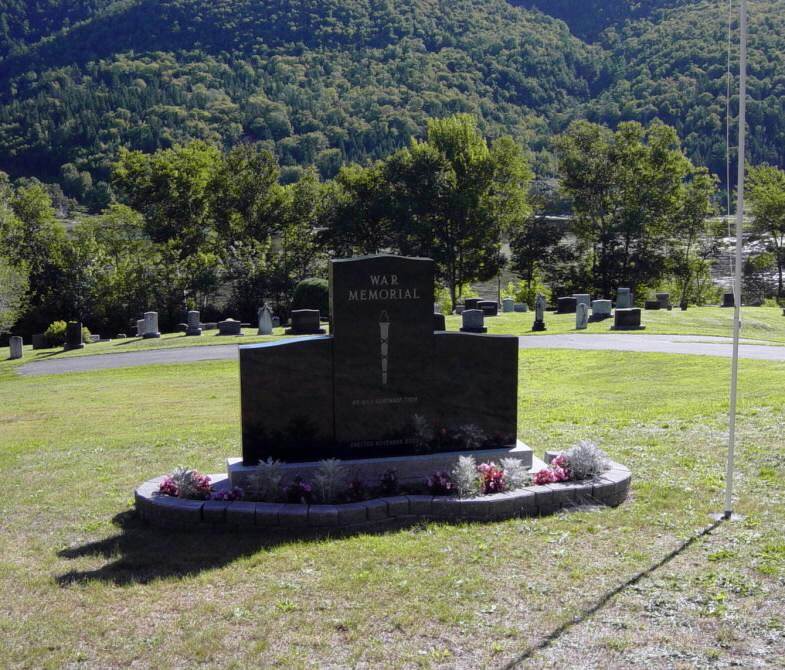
409	469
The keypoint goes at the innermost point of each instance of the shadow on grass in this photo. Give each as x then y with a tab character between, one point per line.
140	553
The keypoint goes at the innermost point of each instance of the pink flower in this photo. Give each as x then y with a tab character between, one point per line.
560	474
544	476
168	487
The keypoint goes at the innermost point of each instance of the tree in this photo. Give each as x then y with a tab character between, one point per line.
13	287
453	199
766	192
625	188
692	228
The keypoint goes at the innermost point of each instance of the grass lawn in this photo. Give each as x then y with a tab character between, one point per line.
85	585
759	323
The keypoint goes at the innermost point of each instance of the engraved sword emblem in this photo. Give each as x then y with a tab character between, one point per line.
384	332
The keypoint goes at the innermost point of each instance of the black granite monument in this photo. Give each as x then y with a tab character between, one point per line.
383	383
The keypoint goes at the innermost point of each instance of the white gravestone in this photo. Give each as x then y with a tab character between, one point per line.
539	313
601	309
508	305
265	316
581	316
140	327
623	298
15	343
583	298
151	325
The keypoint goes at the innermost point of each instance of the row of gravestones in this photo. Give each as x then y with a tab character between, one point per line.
73	340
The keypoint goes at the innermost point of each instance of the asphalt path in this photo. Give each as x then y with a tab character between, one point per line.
666	344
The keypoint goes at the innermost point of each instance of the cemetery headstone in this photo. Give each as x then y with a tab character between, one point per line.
652	304
305	322
194	326
624	298
471	303
584	298
230	327
728	300
520	307
73	335
276	321
151	325
581	316
383	382
94	338
601	309
489	307
39	341
264	317
140	327
459	309
628	318
473	321
539	314
436	308
439	322
508	305
16	347
566	305
665	300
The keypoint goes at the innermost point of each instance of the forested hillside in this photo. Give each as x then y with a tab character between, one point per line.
326	82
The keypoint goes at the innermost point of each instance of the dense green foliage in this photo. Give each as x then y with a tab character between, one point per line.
312	293
328	83
318	83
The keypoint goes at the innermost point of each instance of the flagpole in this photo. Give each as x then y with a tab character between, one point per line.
728	513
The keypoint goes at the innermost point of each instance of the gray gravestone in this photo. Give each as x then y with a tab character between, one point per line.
627	319
471	303
264	316
459	309
305	322
276	321
16	347
73	335
623	298
194	325
439	322
508	305
566	305
140	327
651	304
473	321
581	316
520	307
94	338
601	309
728	300
39	341
584	298
230	327
539	314
151	325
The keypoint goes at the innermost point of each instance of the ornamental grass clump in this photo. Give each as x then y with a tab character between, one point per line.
516	473
329	480
265	483
465	477
586	460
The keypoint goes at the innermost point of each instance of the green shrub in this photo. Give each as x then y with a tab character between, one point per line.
55	334
522	292
312	293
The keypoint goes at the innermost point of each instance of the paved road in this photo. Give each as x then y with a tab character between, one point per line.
667	344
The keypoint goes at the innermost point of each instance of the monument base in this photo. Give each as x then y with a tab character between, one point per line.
72	347
628	327
474	330
538	327
292	331
149	336
193	332
410	469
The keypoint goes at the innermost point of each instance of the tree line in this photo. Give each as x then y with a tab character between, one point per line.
197	227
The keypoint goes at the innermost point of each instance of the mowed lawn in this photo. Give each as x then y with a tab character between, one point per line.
86	585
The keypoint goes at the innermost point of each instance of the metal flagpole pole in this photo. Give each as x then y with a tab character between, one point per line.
728	513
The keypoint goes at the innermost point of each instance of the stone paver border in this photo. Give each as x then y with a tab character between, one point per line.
611	489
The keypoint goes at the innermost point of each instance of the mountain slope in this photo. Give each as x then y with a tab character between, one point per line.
322	81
